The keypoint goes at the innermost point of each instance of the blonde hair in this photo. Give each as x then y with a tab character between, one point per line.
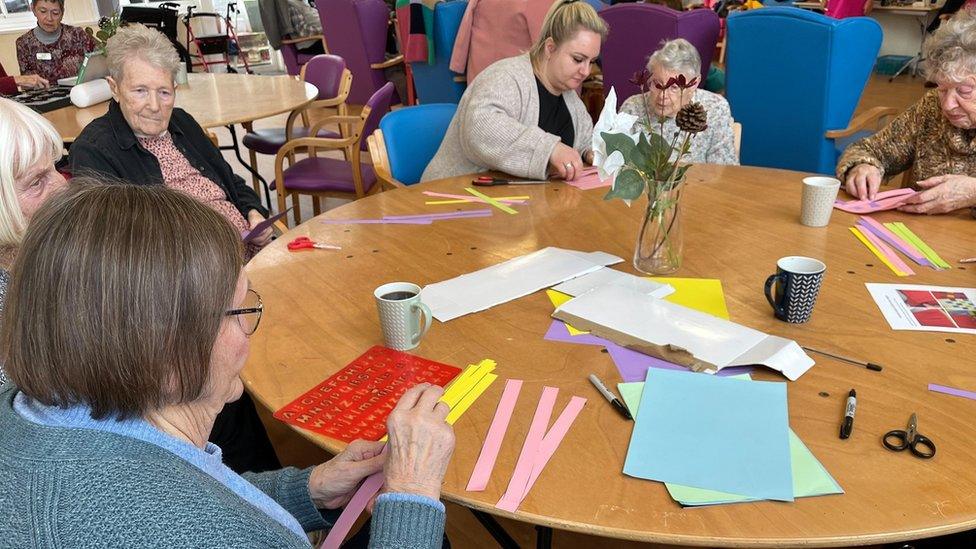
951	50
564	19
28	139
140	42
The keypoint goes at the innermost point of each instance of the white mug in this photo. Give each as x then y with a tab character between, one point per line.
817	203
400	310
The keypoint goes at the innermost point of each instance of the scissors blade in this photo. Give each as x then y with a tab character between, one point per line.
912	428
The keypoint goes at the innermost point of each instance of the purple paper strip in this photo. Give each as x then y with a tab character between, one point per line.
462	213
914	255
260	227
952	391
377	221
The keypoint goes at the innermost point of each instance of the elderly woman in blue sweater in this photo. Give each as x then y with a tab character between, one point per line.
124	335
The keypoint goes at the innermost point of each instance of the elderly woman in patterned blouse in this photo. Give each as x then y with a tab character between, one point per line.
935	137
715	145
144	140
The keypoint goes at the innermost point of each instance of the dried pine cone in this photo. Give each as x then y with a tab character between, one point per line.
692	118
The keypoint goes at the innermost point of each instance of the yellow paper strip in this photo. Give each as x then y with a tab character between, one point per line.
557	299
491	201
876	252
462	201
469	398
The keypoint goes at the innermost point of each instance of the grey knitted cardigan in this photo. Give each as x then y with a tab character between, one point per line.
496	126
84	488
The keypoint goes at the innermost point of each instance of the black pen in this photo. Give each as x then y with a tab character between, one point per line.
612	398
848	425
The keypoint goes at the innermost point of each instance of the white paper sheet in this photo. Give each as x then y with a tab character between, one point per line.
709	339
926	308
510	280
580	285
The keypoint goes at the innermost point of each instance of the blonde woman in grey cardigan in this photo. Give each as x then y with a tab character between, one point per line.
522	115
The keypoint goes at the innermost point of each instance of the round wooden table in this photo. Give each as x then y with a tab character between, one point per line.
320	314
212	99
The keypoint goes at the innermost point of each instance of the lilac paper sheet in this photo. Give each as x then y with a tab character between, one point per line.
632	365
952	391
425	221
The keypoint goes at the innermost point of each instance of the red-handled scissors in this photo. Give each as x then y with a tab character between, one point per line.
488	181
306	243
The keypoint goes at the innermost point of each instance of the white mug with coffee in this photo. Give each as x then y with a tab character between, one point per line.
404	319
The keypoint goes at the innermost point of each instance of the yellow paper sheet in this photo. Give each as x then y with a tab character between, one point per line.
700	294
557	299
877	252
492	201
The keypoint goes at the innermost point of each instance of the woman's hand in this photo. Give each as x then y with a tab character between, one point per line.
253	218
863	181
421	442
333	483
588	157
945	193
565	162
30	81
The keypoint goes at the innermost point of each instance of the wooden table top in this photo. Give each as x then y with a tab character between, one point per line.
212	99
320	315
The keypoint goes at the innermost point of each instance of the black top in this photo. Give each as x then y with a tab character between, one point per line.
554	116
108	146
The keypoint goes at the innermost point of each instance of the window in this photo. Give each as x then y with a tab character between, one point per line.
15	6
15	15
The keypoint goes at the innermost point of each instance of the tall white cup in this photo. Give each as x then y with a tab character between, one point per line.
404	319
817	204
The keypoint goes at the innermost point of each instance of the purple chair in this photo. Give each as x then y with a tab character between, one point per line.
295	59
328	73
637	30
356	30
332	177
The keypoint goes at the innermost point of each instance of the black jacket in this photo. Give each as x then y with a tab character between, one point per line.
108	146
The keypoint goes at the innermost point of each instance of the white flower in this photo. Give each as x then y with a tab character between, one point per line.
610	166
610	122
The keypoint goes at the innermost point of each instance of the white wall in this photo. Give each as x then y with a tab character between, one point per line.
902	34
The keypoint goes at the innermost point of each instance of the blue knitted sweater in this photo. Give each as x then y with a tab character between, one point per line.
83	488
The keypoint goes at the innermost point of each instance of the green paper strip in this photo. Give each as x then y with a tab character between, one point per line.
491	201
902	230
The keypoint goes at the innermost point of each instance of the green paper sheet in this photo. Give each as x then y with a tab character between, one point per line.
903	231
809	476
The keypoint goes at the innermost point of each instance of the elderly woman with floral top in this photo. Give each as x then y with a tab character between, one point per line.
935	137
678	61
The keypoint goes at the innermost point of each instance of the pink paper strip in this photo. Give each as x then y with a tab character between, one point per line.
891	238
553	438
526	461
887	200
894	258
366	492
493	440
589	178
470	198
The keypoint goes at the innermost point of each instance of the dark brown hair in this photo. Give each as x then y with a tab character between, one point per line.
117	296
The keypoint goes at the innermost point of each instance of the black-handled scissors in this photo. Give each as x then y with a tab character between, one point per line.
910	439
488	181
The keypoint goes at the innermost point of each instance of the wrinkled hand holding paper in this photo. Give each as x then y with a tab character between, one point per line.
887	200
679	334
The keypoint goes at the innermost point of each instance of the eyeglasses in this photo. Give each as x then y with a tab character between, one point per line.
249	316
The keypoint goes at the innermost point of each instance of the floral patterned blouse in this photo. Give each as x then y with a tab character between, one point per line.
715	145
62	59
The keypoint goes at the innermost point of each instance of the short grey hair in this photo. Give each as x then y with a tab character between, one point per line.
28	139
950	52
677	55
140	42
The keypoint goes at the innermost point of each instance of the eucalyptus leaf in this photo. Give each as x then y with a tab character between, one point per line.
102	35
618	142
628	185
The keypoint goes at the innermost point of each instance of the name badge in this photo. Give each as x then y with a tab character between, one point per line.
43	56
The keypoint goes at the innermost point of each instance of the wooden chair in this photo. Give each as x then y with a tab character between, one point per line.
319	176
406	141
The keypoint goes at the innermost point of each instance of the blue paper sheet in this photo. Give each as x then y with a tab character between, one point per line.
713	433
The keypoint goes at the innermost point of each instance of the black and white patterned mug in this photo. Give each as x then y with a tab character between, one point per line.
797	281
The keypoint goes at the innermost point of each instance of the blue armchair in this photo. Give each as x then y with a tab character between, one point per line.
407	140
436	83
793	81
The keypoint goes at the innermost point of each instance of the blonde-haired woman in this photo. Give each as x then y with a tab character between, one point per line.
30	148
522	115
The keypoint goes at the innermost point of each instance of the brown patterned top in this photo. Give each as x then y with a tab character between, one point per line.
180	175
920	138
62	59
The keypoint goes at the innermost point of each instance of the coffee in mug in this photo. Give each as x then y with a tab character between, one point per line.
404	319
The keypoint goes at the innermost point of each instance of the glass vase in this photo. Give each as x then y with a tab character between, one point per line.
659	242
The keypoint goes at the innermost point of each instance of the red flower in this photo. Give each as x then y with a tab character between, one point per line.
671	82
641	78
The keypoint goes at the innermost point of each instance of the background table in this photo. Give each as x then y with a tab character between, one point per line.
319	315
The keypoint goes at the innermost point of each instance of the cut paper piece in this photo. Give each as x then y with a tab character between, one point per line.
633	365
902	230
559	331
539	446
589	178
493	440
506	201
509	280
713	433
659	328
492	201
877	253
381	377
606	276
894	240
922	308
880	244
459	198
700	294
952	391
557	299
810	478
466	388
887	200
260	227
